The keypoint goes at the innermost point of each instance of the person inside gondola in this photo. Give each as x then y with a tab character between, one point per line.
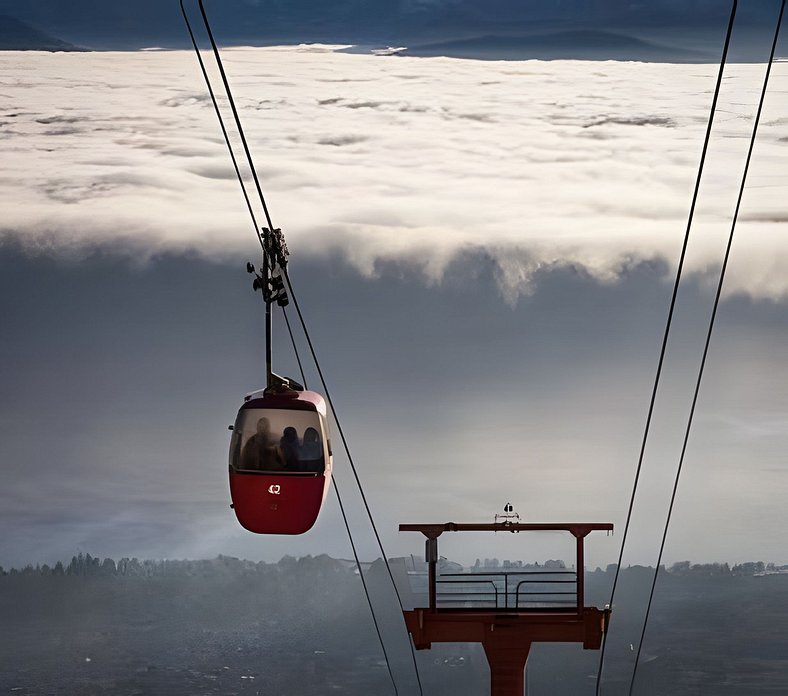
312	451
290	449
260	453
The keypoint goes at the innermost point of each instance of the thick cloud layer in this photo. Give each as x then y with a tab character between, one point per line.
564	186
537	164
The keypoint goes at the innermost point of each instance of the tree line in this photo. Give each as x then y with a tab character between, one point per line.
85	565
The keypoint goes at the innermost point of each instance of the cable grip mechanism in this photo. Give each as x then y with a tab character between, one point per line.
275	247
273	287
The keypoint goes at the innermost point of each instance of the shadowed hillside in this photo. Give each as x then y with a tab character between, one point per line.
301	626
385	22
579	45
19	36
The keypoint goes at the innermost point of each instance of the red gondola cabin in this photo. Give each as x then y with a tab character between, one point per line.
280	461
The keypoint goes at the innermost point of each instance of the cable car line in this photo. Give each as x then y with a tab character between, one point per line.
265	232
708	339
274	259
295	350
221	124
668	325
237	169
231	101
346	447
364	583
339	497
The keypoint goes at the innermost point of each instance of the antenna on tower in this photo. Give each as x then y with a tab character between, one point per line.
509	516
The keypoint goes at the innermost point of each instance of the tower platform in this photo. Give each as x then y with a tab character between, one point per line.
495	612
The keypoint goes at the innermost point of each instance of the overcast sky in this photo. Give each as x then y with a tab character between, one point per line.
484	253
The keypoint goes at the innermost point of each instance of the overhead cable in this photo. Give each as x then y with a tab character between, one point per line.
237	118
261	196
668	324
708	340
364	584
346	447
221	124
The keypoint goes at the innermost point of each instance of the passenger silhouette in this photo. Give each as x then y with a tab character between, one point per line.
290	449
260	453
312	451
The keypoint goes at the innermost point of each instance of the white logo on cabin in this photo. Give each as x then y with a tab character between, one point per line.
274	488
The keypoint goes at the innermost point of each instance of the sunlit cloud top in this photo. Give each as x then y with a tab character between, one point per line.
534	164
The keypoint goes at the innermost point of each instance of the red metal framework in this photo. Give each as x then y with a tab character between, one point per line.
507	632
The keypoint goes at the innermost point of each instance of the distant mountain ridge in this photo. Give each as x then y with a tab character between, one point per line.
574	44
16	35
386	22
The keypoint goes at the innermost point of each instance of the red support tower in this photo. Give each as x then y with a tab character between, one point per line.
513	619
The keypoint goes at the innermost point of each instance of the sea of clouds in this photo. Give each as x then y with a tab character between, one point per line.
535	165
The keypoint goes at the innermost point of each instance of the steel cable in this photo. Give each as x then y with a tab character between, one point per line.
221	124
364	583
295	349
237	169
303	324
668	324
346	447
708	341
237	118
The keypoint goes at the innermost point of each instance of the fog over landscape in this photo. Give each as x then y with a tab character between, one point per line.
484	251
571	164
227	626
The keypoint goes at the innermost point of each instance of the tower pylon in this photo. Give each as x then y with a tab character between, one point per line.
493	610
